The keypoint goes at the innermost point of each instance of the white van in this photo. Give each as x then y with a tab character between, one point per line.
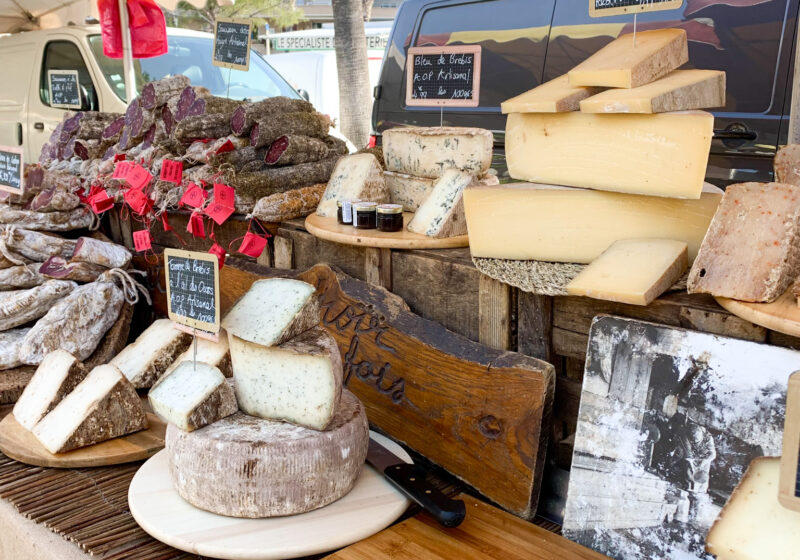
26	117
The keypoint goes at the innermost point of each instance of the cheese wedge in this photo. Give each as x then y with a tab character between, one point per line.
430	151
407	190
680	90
103	406
554	96
144	361
299	381
216	354
193	395
787	165
358	176
549	223
624	153
57	375
634	271
623	64
273	311
753	525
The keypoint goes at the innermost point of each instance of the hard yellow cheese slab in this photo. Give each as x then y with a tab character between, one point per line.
554	96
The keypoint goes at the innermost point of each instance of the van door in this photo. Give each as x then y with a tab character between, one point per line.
57	53
16	60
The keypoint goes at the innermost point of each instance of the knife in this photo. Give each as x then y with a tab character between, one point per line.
410	480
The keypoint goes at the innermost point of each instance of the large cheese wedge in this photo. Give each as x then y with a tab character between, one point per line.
636	154
299	381
680	90
625	64
149	356
192	396
634	271
554	96
103	406
266	468
273	311
429	152
355	177
753	525
57	375
216	354
407	190
752	249
547	223
787	164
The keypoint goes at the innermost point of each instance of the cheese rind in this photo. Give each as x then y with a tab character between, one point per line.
787	165
57	375
623	64
634	271
266	468
680	90
358	176
103	406
753	525
299	381
213	353
407	190
193	395
752	249
623	153
149	356
273	311
555	96
561	224
429	152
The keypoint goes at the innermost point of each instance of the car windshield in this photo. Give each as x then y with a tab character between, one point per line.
191	56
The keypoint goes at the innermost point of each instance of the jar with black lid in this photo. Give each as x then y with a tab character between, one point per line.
364	215
344	211
390	217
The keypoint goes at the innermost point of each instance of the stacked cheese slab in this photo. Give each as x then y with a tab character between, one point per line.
614	151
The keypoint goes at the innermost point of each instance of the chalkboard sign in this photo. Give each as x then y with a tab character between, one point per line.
602	8
232	43
193	289
65	90
789	492
443	76
11	170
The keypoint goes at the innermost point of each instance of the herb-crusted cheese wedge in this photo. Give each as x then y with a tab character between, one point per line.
146	360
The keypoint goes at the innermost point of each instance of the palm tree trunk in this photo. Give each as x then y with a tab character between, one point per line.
355	99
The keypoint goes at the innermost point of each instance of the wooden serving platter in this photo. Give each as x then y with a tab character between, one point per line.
372	505
782	315
331	230
21	445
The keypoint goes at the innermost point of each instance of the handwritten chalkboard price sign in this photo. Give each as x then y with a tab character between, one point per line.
11	170
443	76
602	8
789	492
65	89
193	289
232	43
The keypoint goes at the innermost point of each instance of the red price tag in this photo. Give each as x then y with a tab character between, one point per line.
194	196
253	245
218	212
121	169
216	249
165	222
224	195
142	240
119	157
100	201
196	227
138	201
138	177
171	171
227	146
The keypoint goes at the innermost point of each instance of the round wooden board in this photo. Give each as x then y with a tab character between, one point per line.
331	230
371	506
782	315
21	445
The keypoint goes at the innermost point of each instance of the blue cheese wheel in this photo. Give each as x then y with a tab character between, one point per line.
243	466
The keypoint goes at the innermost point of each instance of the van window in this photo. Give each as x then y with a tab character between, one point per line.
65	55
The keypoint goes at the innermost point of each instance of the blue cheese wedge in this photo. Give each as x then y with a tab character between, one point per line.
355	177
407	190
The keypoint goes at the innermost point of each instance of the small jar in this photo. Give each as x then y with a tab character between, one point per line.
390	217
364	215
344	211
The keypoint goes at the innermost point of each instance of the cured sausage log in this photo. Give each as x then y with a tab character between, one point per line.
281	179
155	94
47	221
53	200
20	306
266	131
60	269
292	149
95	251
10	343
296	203
246	115
237	159
21	277
35	245
215	125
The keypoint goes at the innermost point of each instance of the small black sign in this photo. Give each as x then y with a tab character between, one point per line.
11	170
444	76
65	89
601	8
232	43
193	289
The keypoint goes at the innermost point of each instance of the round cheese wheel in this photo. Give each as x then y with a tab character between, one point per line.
243	466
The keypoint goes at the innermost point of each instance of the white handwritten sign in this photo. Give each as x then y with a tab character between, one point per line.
443	76
11	170
193	289
65	89
602	8
232	43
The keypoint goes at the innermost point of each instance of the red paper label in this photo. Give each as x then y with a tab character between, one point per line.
142	240
218	212
194	196
119	157
253	245
138	177
171	171
121	169
216	249
165	222
138	201
100	201
196	227
224	195
227	146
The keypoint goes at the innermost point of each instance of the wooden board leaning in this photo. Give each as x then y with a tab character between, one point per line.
782	315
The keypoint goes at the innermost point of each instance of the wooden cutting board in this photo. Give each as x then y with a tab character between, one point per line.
21	445
487	532
782	315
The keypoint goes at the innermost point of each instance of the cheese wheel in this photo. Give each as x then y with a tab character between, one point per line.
243	466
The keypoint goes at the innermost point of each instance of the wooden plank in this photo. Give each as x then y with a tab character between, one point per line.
494	313
284	252
569	343
534	325
721	323
378	267
265	258
486	532
310	250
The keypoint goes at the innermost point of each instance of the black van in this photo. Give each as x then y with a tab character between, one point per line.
527	42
